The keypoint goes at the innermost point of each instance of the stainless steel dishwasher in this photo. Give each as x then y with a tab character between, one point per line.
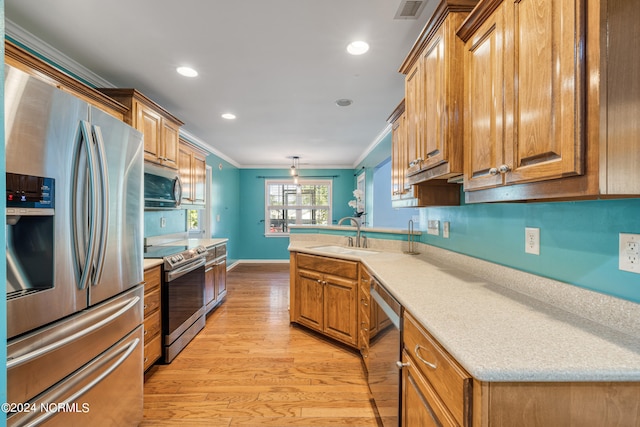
384	354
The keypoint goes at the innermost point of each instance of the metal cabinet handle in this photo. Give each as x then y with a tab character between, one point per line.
363	327
504	169
362	300
416	350
493	171
401	365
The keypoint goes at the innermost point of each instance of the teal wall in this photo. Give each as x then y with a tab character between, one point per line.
3	257
225	204
252	241
578	240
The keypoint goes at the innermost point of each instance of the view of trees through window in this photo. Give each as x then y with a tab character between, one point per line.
306	203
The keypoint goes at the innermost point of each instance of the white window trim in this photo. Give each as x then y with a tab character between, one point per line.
298	208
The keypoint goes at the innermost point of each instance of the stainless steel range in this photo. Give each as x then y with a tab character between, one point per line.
183	306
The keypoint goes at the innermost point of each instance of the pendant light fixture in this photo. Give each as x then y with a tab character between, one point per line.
294	168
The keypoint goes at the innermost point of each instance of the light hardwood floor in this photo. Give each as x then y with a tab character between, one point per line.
249	367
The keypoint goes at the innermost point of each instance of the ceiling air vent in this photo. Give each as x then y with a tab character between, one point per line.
409	9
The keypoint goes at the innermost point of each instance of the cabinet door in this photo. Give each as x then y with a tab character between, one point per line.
184	168
209	285
149	123
170	144
420	404
414	102
340	309
544	84
309	298
484	104
398	157
221	279
199	178
434	119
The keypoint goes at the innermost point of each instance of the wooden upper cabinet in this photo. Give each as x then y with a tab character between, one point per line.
525	94
484	113
36	67
192	166
434	96
159	127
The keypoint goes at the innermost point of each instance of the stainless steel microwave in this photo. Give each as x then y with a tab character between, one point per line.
162	187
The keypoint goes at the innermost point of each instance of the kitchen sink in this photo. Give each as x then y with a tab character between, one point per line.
344	250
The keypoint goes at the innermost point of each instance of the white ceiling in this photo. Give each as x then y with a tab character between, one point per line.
279	65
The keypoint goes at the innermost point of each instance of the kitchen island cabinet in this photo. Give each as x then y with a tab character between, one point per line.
324	294
509	348
159	127
152	316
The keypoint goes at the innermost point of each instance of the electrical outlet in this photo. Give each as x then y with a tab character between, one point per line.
445	229
433	227
532	240
629	254
163	222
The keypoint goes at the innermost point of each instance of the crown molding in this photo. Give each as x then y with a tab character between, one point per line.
53	56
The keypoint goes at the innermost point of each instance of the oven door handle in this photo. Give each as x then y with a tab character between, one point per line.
172	275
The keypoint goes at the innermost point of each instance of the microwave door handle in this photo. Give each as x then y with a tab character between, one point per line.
103	205
177	191
84	267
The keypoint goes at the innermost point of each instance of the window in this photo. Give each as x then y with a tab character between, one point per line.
286	203
195	226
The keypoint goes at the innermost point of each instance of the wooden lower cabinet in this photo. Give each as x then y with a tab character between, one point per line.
588	404
421	405
437	391
152	316
215	277
324	295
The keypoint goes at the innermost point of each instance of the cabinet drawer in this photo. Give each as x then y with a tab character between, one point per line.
151	302
449	380
421	406
152	325
152	279
221	250
338	267
152	352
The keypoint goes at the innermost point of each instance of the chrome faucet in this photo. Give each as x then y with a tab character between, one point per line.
357	223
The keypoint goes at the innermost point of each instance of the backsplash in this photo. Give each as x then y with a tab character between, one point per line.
175	221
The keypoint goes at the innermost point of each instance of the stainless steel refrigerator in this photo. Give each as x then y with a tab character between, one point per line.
74	260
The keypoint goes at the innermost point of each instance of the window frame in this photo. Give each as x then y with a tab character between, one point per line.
298	207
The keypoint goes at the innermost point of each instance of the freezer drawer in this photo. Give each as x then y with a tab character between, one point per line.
39	360
105	392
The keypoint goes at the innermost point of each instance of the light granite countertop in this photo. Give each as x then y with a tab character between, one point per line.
189	243
502	324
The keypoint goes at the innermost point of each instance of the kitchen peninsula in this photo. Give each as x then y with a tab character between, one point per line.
536	349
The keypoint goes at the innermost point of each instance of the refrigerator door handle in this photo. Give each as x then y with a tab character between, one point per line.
78	220
19	360
103	205
123	352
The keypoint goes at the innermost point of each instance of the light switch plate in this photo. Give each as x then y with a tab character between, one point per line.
629	254
532	240
433	227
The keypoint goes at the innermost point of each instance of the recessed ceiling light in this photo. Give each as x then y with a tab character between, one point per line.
187	71
343	102
358	47
228	116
